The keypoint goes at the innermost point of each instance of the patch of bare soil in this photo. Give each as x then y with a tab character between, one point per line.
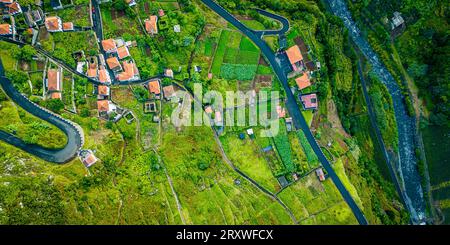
262	61
333	118
24	66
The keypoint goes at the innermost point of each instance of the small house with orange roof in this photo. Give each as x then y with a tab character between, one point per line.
54	83
109	45
154	87
151	25
6	29
103	75
68	26
103	91
295	57
53	24
123	52
105	106
87	157
92	71
309	101
303	81
114	64
54	80
14	8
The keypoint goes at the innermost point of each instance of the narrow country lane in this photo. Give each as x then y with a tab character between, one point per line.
73	132
291	104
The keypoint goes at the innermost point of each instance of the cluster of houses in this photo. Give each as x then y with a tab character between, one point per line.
55	24
302	75
8	9
156	93
151	23
119	60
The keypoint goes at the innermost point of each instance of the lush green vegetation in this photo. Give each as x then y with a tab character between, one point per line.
284	148
30	129
248	157
66	43
236	57
315	202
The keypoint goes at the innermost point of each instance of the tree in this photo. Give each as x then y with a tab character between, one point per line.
141	94
55	105
25	53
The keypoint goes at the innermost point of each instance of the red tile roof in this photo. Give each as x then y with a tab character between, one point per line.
129	71
303	81
103	90
294	54
68	26
103	75
113	62
5	29
103	105
109	45
53	23
309	101
153	87
122	52
14	8
151	24
53	80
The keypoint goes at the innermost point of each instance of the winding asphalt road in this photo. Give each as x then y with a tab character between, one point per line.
291	104
73	132
284	24
407	164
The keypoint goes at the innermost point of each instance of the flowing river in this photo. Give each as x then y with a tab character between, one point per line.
407	164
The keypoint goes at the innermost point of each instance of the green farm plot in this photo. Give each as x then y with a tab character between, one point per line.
78	14
208	47
36	81
247	57
67	91
308	115
309	152
246	155
315	202
338	167
247	45
264	70
66	43
236	57
206	186
298	156
238	71
220	52
283	147
117	27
